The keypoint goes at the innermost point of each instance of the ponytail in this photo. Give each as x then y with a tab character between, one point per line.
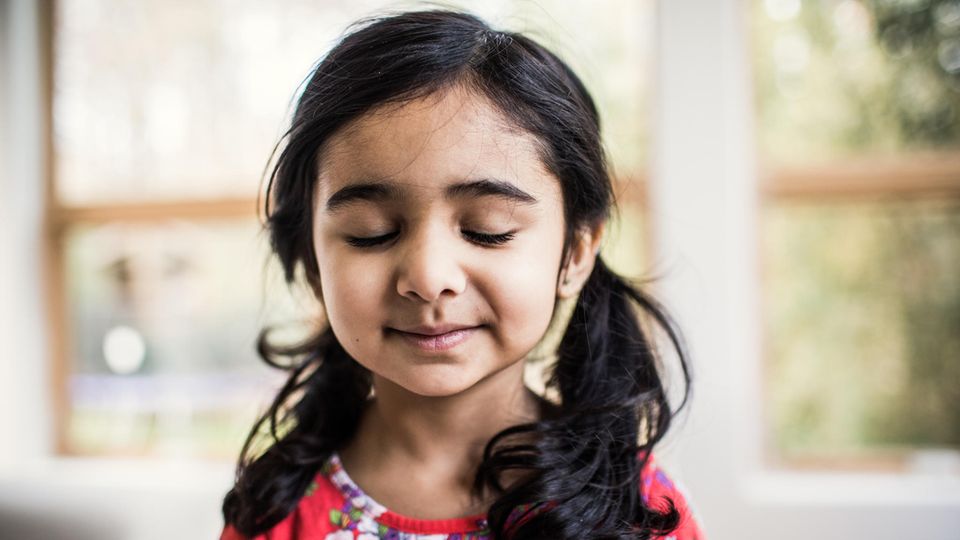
330	390
613	410
605	360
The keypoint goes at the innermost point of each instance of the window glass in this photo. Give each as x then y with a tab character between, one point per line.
164	319
864	304
858	122
841	78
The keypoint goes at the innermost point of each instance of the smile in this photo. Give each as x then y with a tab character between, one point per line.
440	342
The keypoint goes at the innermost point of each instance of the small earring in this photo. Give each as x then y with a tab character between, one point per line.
566	281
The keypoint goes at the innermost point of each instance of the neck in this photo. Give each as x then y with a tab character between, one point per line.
442	436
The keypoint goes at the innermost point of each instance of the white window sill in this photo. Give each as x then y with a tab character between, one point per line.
820	489
182	476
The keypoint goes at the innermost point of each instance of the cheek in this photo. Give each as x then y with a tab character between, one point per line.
527	291
532	295
351	289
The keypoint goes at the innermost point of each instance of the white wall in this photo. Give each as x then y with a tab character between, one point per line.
23	403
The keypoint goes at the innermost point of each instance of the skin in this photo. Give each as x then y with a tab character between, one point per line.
433	411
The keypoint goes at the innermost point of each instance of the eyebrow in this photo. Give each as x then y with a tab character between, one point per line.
386	191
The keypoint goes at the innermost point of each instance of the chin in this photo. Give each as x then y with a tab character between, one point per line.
437	385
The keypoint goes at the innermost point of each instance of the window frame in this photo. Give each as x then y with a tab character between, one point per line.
59	218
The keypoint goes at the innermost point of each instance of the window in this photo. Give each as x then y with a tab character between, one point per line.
859	131
163	119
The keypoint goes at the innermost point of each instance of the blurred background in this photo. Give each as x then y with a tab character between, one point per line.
787	170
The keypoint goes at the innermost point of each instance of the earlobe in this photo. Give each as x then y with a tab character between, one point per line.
583	256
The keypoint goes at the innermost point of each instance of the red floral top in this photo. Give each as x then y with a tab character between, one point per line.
335	508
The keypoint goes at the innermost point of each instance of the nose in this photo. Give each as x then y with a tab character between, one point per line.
430	265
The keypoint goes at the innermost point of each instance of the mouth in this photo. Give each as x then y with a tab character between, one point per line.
436	339
432	331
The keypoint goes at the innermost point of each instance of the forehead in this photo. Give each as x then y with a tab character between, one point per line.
429	143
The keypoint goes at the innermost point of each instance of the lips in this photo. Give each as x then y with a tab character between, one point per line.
436	338
424	330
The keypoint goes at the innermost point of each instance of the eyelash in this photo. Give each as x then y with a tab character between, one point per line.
477	237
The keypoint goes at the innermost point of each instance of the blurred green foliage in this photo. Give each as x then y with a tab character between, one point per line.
863	340
862	297
837	78
921	40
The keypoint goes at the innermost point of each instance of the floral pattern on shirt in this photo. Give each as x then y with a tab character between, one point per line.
359	513
335	508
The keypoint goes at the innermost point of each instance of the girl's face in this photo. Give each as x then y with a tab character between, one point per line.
437	217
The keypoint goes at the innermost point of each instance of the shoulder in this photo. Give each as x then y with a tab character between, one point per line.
315	516
659	490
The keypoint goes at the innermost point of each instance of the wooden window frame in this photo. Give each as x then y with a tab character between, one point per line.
922	174
59	218
925	175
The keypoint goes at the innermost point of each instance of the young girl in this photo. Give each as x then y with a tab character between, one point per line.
442	188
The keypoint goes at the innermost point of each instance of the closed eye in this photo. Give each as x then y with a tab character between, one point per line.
363	242
485	239
489	239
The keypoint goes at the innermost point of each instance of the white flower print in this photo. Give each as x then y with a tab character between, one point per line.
368	528
364	523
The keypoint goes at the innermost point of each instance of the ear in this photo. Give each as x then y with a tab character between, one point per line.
583	255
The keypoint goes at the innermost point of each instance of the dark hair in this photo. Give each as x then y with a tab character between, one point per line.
586	459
